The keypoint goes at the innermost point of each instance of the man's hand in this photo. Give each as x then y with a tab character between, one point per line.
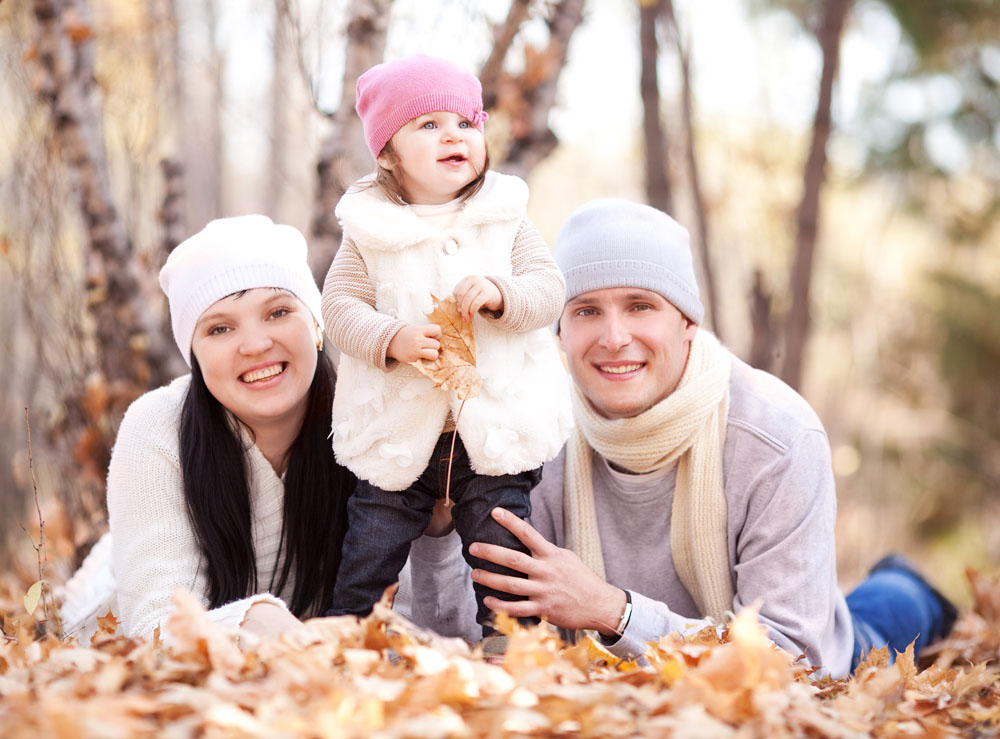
475	292
415	342
560	588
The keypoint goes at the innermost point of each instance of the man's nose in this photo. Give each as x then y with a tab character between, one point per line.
614	333
255	341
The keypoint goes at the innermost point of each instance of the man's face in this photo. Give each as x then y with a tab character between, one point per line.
626	348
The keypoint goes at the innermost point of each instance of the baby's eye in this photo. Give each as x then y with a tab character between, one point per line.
429	125
464	124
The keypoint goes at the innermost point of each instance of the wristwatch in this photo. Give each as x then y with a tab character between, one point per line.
626	614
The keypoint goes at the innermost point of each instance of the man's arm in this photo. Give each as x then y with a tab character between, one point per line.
784	559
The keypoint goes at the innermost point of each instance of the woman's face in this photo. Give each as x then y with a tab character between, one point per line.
257	352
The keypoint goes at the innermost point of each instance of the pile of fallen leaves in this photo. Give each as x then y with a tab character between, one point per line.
383	676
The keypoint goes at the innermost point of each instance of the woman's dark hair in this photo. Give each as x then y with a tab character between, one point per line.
217	493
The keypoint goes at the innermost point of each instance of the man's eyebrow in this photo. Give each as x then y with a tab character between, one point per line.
644	295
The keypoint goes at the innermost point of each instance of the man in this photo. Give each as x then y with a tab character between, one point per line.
694	485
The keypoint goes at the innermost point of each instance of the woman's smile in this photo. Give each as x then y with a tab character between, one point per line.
259	375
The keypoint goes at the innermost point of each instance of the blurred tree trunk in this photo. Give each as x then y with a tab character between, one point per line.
166	48
123	363
798	322
202	143
503	37
703	237
284	72
531	138
657	179
343	154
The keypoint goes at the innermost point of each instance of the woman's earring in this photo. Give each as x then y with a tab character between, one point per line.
319	339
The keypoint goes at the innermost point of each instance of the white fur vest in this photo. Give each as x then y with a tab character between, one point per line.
386	423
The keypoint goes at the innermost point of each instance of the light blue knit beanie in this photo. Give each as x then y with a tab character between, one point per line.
613	242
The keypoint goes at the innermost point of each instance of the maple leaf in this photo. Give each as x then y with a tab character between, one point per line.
455	367
107	626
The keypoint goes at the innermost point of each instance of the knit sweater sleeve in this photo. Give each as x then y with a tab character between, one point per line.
785	563
534	294
154	550
352	323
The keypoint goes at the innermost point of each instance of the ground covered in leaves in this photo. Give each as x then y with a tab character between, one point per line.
385	677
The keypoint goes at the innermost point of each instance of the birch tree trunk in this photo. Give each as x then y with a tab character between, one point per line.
166	48
344	155
798	322
658	192
281	106
122	363
202	144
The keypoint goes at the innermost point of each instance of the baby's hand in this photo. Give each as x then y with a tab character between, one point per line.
475	292
415	342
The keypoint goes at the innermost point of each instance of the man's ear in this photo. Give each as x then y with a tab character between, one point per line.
690	328
559	338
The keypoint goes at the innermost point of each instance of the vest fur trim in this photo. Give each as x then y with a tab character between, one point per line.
386	423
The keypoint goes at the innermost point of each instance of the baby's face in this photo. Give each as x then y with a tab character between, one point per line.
437	154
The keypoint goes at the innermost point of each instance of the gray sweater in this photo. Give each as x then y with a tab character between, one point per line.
782	508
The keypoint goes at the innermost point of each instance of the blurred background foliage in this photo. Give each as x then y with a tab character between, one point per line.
837	162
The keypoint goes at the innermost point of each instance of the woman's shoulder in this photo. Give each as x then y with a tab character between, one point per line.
156	415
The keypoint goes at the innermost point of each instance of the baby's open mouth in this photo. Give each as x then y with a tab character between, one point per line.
264	373
454	158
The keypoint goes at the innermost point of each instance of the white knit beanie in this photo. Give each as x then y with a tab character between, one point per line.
230	255
612	242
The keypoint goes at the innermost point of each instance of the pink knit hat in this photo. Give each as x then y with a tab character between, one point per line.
391	95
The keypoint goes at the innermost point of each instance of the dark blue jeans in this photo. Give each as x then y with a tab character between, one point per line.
382	524
894	606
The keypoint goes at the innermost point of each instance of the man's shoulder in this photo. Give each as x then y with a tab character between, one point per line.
763	406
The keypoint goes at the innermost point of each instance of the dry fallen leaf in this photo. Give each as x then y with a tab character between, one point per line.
455	367
385	676
32	596
107	626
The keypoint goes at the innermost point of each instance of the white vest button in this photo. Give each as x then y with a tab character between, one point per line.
450	247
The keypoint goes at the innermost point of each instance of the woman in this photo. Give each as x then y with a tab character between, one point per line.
223	482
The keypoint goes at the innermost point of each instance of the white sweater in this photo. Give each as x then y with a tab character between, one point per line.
153	550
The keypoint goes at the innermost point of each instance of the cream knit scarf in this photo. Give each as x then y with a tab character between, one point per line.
688	426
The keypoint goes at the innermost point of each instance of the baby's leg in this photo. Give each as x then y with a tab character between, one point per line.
475	496
381	526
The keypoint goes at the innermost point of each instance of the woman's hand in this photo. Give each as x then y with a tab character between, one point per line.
441	522
413	342
267	620
559	588
475	292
